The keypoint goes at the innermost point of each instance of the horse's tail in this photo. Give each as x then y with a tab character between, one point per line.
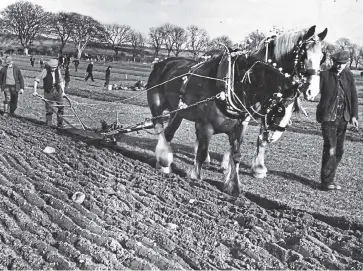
156	74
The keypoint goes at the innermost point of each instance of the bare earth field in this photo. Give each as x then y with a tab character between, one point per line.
137	218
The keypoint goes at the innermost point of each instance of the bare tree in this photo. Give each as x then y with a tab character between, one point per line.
179	36
357	55
329	49
85	29
167	30
61	25
252	40
216	42
347	45
116	35
277	30
137	40
156	39
26	21
197	40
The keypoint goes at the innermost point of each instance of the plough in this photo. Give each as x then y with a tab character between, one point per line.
108	134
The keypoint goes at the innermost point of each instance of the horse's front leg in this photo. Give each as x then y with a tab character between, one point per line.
259	169
226	155
205	133
232	184
207	159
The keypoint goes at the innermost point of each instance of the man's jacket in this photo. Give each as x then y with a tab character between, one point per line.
329	93
19	80
90	68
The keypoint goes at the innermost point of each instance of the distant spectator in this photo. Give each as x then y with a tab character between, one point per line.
60	61
107	77
12	83
76	63
68	60
32	60
67	77
90	72
41	62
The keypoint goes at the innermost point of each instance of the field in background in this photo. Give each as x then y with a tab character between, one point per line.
51	47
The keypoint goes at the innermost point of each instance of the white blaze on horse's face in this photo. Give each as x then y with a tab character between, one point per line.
275	135
312	62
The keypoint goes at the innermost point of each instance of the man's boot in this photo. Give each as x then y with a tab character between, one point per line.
6	110
48	120
60	121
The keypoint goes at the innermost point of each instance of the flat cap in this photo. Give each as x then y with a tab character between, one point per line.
341	57
8	60
53	63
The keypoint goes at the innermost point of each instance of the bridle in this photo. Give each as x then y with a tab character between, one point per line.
275	107
300	52
299	72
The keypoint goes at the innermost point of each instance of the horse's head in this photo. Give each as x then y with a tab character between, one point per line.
300	54
278	109
277	116
309	56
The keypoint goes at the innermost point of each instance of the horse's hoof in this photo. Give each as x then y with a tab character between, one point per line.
259	172
166	170
259	175
206	164
194	175
232	190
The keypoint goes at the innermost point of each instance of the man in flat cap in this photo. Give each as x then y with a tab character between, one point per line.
338	105
53	84
12	83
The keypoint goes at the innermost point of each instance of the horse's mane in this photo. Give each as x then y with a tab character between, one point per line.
284	43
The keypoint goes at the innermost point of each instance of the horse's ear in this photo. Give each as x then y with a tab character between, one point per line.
310	33
322	35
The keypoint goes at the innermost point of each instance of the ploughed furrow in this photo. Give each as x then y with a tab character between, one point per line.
134	217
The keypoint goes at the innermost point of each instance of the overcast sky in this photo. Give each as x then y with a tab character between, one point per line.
235	18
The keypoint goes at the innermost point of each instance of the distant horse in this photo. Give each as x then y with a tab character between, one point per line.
361	74
216	116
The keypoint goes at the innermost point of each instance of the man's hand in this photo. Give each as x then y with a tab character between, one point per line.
35	93
21	91
355	122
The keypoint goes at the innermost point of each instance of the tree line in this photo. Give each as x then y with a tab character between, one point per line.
28	21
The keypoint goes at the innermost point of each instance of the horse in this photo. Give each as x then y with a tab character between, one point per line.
212	115
299	54
165	93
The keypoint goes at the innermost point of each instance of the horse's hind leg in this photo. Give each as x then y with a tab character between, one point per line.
205	133
163	152
207	159
174	124
226	155
232	184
